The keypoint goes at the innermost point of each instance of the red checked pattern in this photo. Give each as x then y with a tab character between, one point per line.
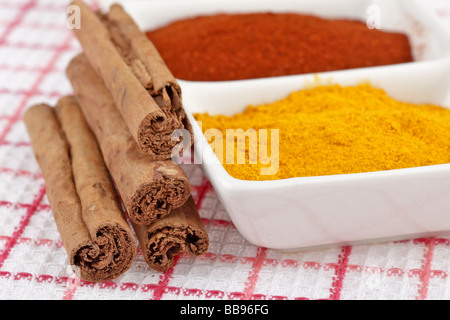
35	47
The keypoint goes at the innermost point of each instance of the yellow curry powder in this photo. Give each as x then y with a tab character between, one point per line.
330	130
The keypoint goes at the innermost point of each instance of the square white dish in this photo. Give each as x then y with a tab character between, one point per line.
301	213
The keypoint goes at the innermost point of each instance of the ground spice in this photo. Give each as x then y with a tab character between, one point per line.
332	130
246	46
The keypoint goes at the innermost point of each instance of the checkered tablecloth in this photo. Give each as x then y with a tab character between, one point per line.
35	47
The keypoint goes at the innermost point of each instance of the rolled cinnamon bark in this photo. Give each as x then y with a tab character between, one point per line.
98	240
180	232
149	189
141	85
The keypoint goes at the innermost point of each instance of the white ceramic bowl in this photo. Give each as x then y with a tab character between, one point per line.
349	209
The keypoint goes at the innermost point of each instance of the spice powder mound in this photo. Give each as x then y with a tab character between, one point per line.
332	130
227	47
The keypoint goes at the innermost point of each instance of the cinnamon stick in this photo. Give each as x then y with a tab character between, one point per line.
141	85
96	236
180	232
149	189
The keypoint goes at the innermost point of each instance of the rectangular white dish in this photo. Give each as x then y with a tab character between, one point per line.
302	213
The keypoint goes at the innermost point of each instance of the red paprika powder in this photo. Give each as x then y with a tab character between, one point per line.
247	46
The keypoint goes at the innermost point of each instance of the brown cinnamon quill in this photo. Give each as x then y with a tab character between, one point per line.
149	189
141	85
85	206
177	230
180	232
